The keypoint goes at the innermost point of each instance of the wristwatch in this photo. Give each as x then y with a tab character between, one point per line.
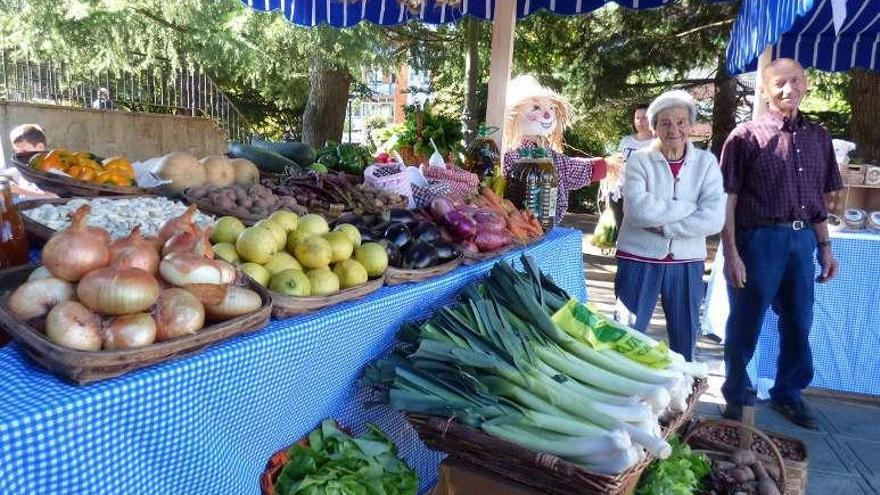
825	243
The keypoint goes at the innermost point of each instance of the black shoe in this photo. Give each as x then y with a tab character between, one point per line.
733	412
796	413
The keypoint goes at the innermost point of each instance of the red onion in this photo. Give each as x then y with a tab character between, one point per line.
178	313
459	225
75	251
118	291
440	206
129	331
489	240
72	325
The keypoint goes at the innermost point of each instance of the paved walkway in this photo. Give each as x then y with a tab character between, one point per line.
844	455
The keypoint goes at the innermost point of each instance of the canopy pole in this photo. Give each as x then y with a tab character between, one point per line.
760	103
499	67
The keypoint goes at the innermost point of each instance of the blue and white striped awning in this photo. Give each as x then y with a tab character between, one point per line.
805	31
345	13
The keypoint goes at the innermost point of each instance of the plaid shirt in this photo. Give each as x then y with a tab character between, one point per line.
574	173
780	170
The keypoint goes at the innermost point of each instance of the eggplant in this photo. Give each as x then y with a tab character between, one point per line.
380	226
370	235
370	220
400	215
398	234
349	218
395	259
426	232
446	251
421	255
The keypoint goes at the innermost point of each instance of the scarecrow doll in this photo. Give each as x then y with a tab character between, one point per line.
537	117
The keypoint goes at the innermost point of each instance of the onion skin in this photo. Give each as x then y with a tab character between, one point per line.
239	301
129	331
36	298
135	252
118	291
40	272
75	251
183	223
181	269
178	313
198	242
72	325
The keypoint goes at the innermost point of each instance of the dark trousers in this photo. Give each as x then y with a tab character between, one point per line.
779	272
638	285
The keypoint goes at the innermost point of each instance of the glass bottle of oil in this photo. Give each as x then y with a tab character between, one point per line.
533	185
548	187
13	238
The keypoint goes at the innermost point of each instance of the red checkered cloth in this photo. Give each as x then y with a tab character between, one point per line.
461	182
424	195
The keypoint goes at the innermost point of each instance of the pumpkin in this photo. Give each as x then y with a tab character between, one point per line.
219	172
245	171
182	169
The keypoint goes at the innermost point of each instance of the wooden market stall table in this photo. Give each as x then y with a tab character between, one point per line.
845	337
209	422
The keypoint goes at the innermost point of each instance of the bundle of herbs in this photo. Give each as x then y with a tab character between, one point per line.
334	463
497	360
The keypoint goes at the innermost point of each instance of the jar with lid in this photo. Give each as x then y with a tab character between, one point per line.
13	237
533	185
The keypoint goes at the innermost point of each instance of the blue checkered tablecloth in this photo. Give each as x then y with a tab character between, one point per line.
845	338
208	423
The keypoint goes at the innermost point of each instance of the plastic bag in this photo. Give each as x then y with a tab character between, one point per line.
605	234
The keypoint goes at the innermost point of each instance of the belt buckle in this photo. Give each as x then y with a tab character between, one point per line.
798	225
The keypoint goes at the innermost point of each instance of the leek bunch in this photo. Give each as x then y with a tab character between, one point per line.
497	361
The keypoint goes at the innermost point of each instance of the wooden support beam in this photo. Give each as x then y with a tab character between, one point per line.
499	69
760	103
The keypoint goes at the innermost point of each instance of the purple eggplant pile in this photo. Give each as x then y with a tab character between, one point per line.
412	240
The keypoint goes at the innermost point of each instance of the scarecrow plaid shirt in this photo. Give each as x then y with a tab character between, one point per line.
780	169
574	173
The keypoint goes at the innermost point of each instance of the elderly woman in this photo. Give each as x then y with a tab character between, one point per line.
674	199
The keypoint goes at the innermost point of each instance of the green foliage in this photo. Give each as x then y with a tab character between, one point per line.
337	464
828	101
682	473
420	127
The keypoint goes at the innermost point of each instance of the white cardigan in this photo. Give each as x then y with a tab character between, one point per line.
688	208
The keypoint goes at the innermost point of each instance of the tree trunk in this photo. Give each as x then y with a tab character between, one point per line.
472	76
865	99
724	107
324	115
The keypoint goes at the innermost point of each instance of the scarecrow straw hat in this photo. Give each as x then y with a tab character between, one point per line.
519	91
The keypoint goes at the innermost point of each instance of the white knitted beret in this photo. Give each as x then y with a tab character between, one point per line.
671	99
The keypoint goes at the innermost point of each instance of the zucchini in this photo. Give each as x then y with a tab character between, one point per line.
301	153
265	160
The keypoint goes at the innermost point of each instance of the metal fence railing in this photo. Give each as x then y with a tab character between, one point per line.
188	93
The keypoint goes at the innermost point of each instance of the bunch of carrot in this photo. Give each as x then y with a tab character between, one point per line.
522	225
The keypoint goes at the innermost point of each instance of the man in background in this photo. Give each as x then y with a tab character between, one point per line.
26	138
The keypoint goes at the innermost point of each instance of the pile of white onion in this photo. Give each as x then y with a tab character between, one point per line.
96	295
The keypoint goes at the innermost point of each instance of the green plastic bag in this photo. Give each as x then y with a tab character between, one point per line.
586	324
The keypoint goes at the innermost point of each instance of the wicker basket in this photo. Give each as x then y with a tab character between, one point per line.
472	258
89	366
68	187
284	306
726	436
397	276
545	472
42	233
209	207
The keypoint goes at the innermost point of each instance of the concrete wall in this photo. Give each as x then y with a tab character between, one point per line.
107	133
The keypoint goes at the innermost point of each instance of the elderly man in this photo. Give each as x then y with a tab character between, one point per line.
777	170
674	199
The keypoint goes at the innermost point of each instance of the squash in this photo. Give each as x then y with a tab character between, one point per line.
218	170
182	169
245	171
